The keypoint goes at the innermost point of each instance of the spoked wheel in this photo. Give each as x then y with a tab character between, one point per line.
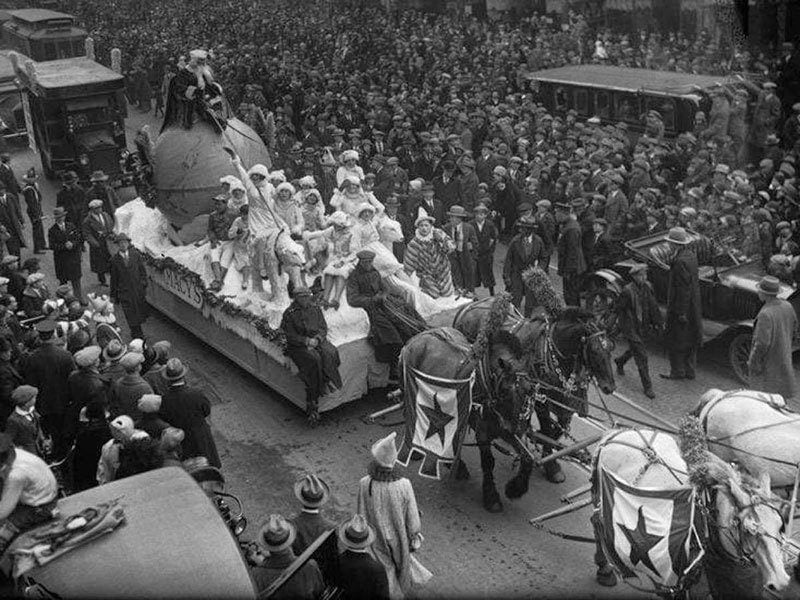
603	303
738	354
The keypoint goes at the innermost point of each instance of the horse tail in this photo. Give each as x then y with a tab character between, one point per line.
494	321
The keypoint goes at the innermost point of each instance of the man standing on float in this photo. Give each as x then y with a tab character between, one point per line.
265	225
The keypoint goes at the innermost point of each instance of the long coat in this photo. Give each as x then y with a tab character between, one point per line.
48	368
683	300
638	312
73	200
305	584
519	257
570	250
429	260
391	508
770	362
361	576
98	233
129	285
188	408
11	219
67	260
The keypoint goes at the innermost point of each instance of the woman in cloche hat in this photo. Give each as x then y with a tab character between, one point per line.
388	502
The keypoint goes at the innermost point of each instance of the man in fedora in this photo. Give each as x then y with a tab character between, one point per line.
277	537
684	323
462	259
66	243
33	206
487	235
188	408
639	316
525	250
100	190
770	361
11	220
98	231
571	260
360	575
129	285
313	493
72	198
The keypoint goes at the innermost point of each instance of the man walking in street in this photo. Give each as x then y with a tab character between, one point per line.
98	229
571	262
770	362
129	285
66	243
684	326
462	259
33	206
639	315
524	250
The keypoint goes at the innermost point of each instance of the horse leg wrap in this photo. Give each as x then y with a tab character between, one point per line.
518	485
491	498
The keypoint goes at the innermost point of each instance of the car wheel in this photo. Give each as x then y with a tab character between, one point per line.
739	353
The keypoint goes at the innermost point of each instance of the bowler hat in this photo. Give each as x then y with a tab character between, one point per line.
356	534
457	211
769	285
312	491
278	533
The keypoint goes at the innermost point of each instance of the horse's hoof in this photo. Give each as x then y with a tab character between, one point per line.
553	473
515	489
606	577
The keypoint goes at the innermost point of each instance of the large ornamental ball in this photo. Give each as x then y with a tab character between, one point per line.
189	163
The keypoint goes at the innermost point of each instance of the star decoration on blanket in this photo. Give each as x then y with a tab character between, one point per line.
437	418
641	542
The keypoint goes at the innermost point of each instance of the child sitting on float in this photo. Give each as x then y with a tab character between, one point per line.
237	197
239	234
314	220
288	210
350	196
349	167
338	239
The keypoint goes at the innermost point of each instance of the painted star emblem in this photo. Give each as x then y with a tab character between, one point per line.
437	419
641	542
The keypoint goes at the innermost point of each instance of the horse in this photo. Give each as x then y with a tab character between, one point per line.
563	355
503	392
738	521
753	429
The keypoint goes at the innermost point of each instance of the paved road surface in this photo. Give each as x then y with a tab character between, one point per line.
265	445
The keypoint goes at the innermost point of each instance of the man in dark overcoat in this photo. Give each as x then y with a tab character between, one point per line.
98	229
360	575
129	284
66	243
545	229
571	262
187	408
33	206
487	235
462	259
639	316
11	219
524	250
446	187
72	199
432	205
7	174
684	326
387	332
48	368
307	345
100	190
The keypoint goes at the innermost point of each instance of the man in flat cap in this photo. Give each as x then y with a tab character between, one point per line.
392	321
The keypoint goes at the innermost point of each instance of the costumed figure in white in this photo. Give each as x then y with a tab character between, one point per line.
288	210
342	260
427	256
237	197
350	197
239	236
264	225
349	167
315	220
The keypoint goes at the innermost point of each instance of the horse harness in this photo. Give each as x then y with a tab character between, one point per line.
653	458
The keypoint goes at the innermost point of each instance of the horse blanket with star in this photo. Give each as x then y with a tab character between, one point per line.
436	415
647	533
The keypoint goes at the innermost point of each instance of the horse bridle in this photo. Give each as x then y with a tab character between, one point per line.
578	378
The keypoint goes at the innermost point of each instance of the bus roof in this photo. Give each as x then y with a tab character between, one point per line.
74	72
36	15
629	80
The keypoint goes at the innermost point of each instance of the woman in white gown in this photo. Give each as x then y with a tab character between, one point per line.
349	167
350	196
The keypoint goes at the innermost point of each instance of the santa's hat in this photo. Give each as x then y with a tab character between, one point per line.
384	451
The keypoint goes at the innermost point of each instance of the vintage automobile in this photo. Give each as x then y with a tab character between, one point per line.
43	34
173	543
727	289
76	108
617	94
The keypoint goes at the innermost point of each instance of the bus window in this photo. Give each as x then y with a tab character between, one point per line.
50	52
627	107
561	98
582	102
666	108
601	105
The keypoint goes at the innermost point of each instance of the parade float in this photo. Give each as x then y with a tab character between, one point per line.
241	324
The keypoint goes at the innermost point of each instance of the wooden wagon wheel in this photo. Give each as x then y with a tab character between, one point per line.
738	354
